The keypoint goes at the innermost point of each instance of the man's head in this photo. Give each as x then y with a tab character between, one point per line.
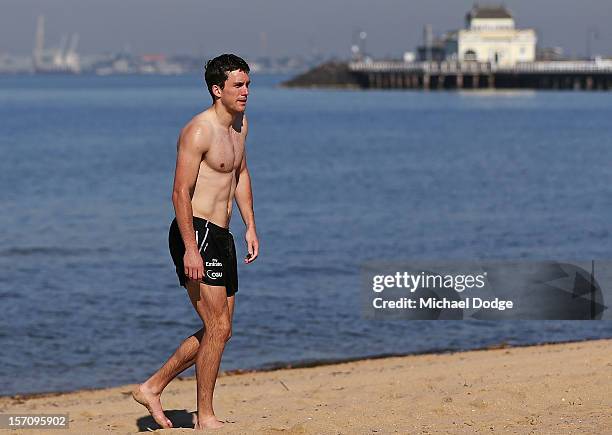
227	79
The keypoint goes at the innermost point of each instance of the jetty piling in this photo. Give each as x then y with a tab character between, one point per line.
573	75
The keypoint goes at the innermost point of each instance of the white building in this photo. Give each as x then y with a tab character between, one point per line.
490	36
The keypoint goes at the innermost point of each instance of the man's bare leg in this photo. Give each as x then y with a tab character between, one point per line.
212	306
149	392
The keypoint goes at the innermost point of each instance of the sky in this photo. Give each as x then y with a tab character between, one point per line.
284	27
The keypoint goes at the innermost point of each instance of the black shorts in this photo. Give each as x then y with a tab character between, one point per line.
216	245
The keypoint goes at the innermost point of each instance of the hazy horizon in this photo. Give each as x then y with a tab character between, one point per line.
277	28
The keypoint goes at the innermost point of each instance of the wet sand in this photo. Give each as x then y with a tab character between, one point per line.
550	389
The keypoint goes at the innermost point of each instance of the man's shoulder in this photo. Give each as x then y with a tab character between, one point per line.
197	132
201	122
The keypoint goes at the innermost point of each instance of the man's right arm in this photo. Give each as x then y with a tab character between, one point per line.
192	145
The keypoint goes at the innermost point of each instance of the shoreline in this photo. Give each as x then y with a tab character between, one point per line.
547	388
307	363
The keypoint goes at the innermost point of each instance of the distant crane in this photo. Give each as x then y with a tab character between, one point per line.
39	45
63	59
71	59
58	57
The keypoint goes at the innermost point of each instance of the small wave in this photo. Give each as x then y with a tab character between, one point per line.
50	250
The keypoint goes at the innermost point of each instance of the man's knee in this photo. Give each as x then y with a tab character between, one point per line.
225	329
221	330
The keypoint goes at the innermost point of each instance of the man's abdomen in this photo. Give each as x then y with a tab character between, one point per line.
212	198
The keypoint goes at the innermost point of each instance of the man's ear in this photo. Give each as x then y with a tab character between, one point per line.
216	90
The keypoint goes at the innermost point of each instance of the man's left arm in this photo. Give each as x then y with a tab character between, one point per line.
244	200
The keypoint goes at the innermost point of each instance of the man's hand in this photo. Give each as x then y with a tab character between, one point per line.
194	266
252	245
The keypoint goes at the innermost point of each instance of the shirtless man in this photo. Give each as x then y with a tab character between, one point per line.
211	170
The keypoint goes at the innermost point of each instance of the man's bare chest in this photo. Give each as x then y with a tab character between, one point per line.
225	153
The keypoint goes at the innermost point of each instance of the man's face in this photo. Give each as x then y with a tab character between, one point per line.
235	91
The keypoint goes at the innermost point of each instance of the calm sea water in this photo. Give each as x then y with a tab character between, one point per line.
88	293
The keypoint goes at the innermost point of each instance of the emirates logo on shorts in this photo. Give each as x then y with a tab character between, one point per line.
214	263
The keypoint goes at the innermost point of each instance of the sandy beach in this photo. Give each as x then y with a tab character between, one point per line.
552	389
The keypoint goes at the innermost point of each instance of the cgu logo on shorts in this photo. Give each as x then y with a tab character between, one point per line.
213	262
213	275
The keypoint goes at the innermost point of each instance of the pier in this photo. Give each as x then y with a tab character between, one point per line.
448	75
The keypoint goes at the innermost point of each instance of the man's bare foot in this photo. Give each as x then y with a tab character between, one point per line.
151	401
207	423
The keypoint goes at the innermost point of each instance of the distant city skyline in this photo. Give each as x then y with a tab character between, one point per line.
283	28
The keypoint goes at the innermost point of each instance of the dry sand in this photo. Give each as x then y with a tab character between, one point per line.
550	389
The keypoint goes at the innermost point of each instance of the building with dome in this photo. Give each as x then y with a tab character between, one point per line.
491	36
